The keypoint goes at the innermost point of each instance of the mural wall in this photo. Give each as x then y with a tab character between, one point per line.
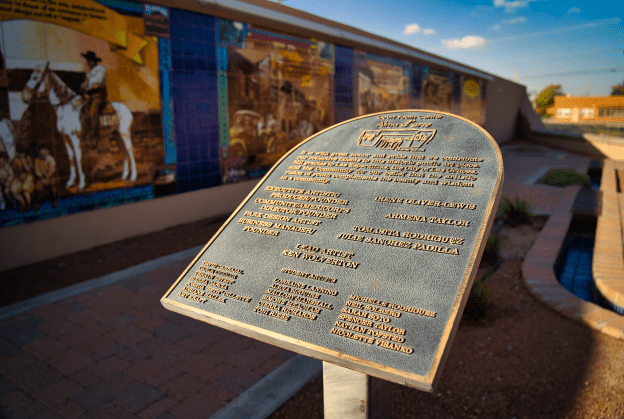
106	102
279	91
440	90
382	83
473	99
81	107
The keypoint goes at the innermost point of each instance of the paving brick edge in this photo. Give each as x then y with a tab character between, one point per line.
272	391
538	271
57	295
608	266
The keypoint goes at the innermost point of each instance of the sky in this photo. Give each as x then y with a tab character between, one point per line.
578	44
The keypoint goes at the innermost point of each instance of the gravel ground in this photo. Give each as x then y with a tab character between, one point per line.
524	361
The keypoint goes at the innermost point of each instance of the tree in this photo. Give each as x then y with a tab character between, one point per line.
618	89
546	98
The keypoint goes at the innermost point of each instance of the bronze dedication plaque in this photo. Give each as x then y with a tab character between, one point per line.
359	247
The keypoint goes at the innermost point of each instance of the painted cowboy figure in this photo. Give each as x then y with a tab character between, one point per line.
95	93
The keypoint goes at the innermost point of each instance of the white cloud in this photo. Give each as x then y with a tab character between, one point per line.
520	19
469	41
414	28
497	26
573	10
511	5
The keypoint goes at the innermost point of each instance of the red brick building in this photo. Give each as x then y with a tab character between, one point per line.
607	109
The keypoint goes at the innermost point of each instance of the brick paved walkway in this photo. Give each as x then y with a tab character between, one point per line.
115	352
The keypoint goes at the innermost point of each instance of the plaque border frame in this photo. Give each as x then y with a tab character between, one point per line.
425	383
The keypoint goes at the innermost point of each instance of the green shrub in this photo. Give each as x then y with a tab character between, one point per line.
565	177
492	247
479	300
515	211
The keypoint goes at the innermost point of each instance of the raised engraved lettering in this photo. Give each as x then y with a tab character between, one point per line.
223	268
299	313
384	335
368	300
351	335
299	212
330	261
438	249
412	310
261	231
382	310
394	346
236	297
296	229
255	222
388	242
433	238
460	184
290	253
309	275
388	328
349	326
357	320
450	222
407	217
354	304
337	253
372	230
352	237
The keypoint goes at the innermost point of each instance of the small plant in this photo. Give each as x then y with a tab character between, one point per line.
515	211
565	177
492	247
479	300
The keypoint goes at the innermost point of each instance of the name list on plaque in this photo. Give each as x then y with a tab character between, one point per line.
359	247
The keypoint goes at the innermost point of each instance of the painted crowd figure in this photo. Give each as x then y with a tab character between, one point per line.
95	94
26	184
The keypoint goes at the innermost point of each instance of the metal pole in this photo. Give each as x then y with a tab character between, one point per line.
349	394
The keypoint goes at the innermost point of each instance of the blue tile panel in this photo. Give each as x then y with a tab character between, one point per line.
164	51
575	269
415	86
343	84
194	95
128	8
78	203
224	122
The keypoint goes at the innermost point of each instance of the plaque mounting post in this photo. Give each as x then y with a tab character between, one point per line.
349	394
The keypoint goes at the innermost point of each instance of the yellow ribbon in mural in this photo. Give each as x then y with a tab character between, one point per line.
82	15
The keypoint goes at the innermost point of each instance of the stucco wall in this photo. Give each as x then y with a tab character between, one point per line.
503	104
33	242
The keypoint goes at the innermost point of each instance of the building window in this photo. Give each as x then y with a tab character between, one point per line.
587	112
561	112
611	112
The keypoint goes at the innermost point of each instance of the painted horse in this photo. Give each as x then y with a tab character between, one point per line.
44	83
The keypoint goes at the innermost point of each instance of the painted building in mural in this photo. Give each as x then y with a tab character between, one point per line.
108	102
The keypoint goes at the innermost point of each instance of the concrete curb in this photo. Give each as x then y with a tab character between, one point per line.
92	284
539	274
268	394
